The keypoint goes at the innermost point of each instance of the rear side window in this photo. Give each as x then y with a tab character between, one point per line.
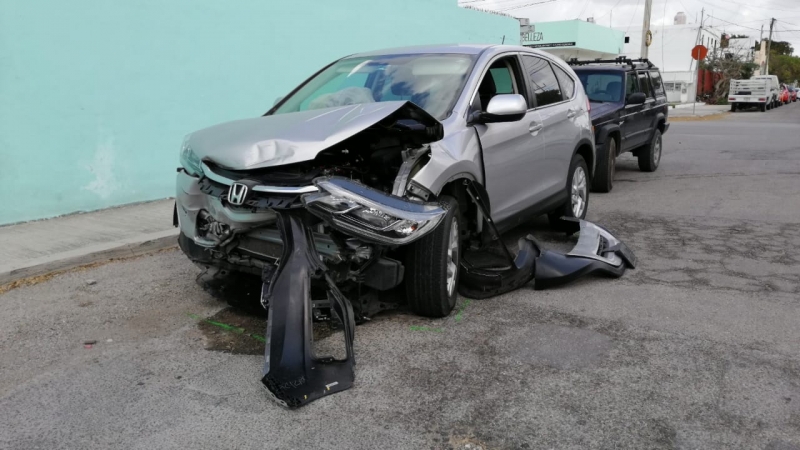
644	84
544	85
658	85
566	82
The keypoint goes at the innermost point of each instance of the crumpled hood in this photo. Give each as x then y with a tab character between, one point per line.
280	139
599	110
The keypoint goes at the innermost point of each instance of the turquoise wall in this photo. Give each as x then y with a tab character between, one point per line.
96	95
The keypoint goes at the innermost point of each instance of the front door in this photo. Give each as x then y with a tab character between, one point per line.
633	125
513	152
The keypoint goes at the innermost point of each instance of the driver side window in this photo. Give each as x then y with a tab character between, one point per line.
501	78
631	85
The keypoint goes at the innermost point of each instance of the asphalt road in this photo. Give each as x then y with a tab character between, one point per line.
698	348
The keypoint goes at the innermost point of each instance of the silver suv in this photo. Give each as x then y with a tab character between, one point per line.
383	153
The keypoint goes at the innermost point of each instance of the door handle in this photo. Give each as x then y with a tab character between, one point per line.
535	127
571	113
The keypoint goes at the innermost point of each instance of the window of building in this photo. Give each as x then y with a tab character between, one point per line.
544	85
627	39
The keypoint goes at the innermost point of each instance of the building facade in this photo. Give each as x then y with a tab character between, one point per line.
572	39
670	50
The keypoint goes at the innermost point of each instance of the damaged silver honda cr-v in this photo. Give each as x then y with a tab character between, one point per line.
392	168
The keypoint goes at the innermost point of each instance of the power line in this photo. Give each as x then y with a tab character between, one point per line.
526	5
584	8
736	24
609	11
632	16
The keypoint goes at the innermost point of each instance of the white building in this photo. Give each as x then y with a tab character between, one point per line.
670	50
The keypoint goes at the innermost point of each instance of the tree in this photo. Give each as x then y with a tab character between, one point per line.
787	68
779	47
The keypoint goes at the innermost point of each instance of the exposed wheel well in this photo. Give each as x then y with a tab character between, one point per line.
469	211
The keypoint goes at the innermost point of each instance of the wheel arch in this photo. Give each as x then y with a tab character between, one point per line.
585	148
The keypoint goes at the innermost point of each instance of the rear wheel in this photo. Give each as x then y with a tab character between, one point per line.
650	155
603	180
733	107
578	193
763	107
433	262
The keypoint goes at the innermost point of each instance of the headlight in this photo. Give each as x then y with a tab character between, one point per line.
369	214
189	160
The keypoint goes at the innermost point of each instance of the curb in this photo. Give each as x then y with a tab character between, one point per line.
60	262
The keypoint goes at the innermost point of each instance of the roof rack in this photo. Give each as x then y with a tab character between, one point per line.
624	60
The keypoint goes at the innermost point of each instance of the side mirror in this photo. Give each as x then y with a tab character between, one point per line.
277	100
503	108
637	98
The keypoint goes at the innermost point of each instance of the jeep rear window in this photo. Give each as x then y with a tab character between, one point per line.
602	86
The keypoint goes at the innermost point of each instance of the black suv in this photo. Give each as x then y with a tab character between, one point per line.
629	113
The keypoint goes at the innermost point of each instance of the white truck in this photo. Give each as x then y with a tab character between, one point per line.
760	91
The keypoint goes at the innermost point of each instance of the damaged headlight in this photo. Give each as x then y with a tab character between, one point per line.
369	214
189	160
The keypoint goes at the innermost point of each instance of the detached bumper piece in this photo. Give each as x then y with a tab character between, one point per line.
597	251
292	374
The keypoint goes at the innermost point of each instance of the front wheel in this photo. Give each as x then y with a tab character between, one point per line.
603	180
432	263
578	193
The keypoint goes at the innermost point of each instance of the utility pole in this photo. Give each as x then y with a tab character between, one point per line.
769	44
648	4
697	69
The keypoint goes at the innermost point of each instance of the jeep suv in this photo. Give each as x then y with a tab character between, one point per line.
629	113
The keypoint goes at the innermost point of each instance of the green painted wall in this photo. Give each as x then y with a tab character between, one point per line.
96	95
588	36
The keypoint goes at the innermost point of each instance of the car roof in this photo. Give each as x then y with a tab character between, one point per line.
463	49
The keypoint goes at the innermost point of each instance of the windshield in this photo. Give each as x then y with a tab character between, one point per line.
432	81
602	86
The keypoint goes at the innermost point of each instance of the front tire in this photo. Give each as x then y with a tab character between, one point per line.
603	180
650	155
577	193
433	263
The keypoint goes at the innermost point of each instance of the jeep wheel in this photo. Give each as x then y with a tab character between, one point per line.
603	180
433	263
650	155
577	193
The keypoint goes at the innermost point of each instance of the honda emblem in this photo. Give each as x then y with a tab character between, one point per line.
237	194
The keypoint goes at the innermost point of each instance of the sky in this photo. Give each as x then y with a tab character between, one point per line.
732	16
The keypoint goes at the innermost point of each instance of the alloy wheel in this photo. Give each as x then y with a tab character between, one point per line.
452	257
579	192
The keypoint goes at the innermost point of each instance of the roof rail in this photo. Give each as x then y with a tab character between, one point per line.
624	60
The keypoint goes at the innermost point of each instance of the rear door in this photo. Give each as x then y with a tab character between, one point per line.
650	110
557	122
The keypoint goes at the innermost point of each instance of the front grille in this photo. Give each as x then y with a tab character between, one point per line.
256	202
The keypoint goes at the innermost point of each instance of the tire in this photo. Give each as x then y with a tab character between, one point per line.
766	107
763	107
650	155
603	180
431	263
578	190
733	107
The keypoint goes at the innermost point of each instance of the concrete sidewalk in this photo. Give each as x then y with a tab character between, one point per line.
700	110
36	248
